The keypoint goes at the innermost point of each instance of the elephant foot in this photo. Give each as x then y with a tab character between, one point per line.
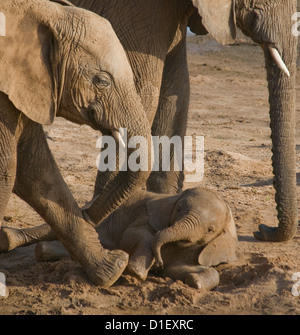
103	272
11	238
106	271
207	279
50	251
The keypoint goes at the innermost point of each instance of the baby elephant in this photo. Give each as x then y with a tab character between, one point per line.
183	234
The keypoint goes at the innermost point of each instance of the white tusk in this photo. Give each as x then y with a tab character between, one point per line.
117	136
278	60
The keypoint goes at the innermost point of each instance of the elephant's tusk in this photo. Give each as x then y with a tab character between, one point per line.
117	136
278	60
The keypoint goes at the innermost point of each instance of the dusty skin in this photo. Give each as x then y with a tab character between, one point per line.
229	107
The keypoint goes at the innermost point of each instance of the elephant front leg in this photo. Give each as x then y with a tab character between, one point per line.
9	119
41	185
138	243
171	120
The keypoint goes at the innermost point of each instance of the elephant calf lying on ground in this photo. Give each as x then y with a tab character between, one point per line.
197	222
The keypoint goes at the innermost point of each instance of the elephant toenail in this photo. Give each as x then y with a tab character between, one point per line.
120	263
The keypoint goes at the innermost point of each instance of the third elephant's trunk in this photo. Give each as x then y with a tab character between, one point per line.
182	230
282	114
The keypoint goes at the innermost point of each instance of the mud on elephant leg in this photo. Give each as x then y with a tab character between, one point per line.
197	276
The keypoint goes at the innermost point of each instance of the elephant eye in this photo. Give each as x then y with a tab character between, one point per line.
101	81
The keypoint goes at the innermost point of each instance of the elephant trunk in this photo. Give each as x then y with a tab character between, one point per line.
282	114
182	230
113	188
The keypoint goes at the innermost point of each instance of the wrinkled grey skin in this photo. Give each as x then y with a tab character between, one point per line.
63	61
156	48
186	234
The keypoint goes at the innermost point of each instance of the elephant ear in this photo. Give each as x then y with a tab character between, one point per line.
195	24
218	17
26	57
160	209
222	249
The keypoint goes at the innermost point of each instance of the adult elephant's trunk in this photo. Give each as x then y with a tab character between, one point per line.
112	188
282	113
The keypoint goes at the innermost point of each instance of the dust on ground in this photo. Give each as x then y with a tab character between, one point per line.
229	106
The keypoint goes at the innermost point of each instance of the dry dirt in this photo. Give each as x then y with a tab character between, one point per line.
229	107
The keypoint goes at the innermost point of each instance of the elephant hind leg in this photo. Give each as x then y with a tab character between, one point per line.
196	276
206	279
171	117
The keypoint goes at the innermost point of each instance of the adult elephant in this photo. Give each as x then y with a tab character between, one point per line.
64	61
153	34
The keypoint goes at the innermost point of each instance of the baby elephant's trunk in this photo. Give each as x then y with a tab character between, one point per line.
180	231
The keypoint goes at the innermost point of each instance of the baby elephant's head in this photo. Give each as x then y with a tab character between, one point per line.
200	217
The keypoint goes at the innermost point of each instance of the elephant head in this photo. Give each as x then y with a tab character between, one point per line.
70	63
268	23
195	217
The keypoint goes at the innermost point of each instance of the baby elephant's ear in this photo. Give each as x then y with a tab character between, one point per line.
26	54
221	249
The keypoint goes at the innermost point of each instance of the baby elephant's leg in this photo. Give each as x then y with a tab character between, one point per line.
197	276
207	278
138	243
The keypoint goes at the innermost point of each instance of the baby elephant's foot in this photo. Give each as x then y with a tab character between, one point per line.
10	238
206	279
109	269
137	271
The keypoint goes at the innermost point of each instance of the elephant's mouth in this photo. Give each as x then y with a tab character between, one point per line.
94	114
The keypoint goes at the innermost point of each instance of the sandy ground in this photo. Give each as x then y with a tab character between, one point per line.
229	107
